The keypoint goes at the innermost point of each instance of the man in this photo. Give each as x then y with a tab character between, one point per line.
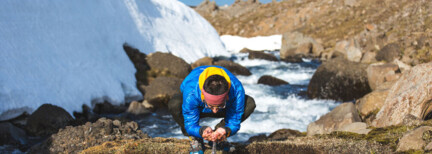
210	91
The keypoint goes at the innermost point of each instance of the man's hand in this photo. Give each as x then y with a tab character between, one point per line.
207	134
219	135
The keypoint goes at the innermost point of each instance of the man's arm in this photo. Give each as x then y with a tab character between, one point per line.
191	115
234	112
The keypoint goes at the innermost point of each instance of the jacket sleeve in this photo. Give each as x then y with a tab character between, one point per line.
191	115
235	110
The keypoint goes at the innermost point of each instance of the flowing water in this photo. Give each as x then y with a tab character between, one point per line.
285	106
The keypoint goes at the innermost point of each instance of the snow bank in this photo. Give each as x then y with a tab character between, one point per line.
235	43
69	53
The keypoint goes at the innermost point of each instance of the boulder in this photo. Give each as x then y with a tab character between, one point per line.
270	80
12	135
389	52
291	41
355	127
166	64
137	108
335	120
379	73
371	103
261	55
415	139
234	68
161	90
339	79
47	120
202	62
368	57
354	54
298	58
75	139
410	95
283	134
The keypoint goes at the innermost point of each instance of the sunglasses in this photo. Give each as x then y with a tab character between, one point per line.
211	107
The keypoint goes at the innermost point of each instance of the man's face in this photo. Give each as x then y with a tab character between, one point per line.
215	109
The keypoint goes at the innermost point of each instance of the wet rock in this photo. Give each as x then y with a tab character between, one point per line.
389	52
85	116
371	103
137	108
339	79
294	58
76	139
415	139
270	80
283	134
261	55
339	117
379	73
166	64
10	134
47	120
202	62
234	68
409	95
161	90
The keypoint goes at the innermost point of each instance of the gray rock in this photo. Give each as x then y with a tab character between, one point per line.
379	73
337	119
414	140
355	127
339	79
410	95
137	108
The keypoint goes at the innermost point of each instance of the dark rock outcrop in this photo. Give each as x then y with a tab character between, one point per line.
140	63
234	68
47	120
261	55
339	79
166	64
75	139
108	108
270	80
12	135
161	90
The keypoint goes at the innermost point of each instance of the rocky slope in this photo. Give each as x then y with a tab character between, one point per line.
369	24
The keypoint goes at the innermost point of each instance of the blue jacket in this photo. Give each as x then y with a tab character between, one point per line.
193	104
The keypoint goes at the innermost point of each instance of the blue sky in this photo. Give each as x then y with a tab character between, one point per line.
218	2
